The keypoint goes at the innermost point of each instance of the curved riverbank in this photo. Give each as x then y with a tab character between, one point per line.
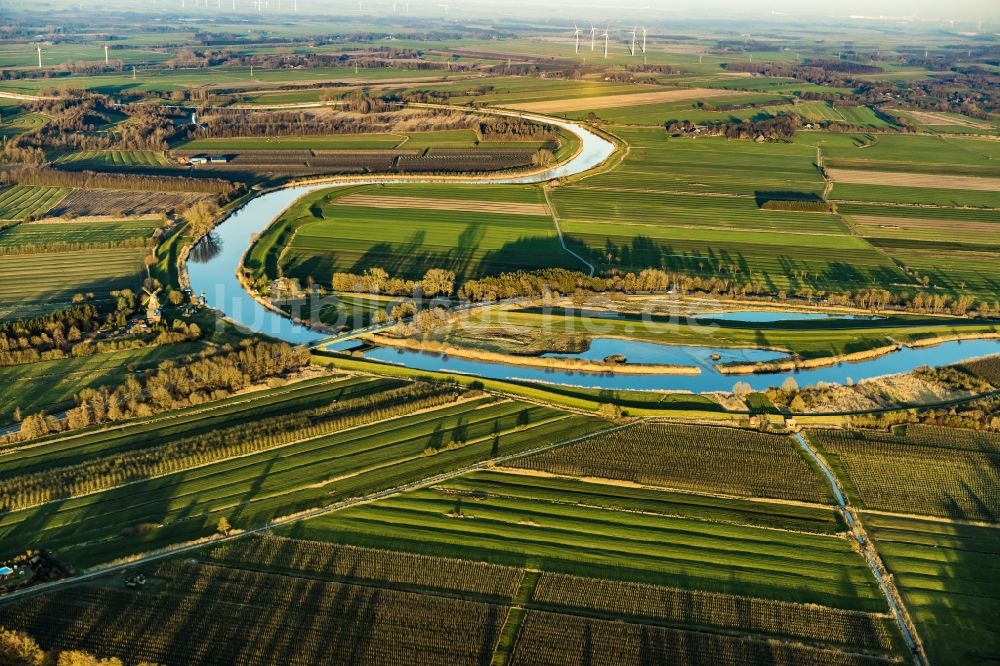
796	364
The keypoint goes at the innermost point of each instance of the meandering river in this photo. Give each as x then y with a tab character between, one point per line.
215	275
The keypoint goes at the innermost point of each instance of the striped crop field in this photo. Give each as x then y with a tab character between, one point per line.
86	159
20	201
34	280
722	460
83	233
474	232
948	577
541	524
290	470
932	471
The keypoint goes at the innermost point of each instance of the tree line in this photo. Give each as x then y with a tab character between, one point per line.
47	177
781	127
436	282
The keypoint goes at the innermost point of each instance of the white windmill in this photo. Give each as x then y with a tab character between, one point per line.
593	34
576	34
606	43
39	57
152	304
643	41
632	50
105	54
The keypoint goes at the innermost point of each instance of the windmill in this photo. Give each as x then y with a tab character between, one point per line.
105	54
605	43
632	50
152	304
643	41
576	34
39	57
593	33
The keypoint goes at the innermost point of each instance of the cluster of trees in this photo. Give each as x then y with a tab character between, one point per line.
59	332
20	649
560	281
775	128
436	282
158	458
368	116
46	177
81	120
55	341
173	385
514	130
977	415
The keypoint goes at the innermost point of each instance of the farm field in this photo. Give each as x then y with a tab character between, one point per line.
718	460
270	582
85	202
947	575
89	159
338	235
764	105
538	526
51	385
30	283
237	607
76	233
294	472
622	100
933	471
20	201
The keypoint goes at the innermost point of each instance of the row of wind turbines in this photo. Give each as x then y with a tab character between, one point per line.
577	32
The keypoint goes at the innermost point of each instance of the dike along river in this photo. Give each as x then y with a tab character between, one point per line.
216	277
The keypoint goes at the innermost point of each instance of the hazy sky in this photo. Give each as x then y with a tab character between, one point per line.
985	10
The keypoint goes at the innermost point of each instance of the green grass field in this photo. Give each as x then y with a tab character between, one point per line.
20	201
254	488
51	385
331	236
947	575
538	526
30	283
91	159
84	233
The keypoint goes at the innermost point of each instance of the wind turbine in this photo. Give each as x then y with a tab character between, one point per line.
632	51
105	54
576	33
605	43
39	57
593	33
643	41
445	6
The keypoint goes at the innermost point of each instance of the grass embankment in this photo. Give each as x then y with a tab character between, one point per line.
806	338
634	403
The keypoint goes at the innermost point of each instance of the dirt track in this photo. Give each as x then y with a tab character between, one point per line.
508	208
902	179
633	99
